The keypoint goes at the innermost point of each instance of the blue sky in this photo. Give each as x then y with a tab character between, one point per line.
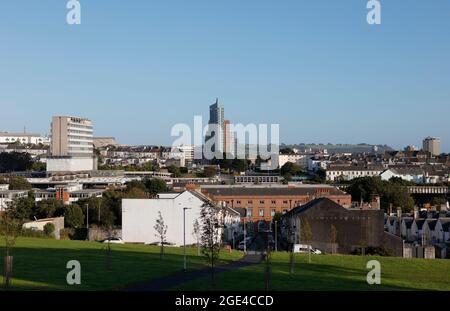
137	67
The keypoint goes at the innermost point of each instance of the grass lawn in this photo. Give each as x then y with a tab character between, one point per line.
40	264
334	273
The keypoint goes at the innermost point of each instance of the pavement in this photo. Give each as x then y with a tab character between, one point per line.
175	280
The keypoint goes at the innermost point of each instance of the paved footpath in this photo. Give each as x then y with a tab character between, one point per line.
180	278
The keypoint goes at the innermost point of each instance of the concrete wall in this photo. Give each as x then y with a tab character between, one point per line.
394	245
70	164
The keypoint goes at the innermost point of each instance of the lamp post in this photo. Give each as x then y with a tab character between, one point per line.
245	236
276	236
87	221
184	239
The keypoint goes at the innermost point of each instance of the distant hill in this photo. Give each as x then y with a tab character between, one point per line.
341	148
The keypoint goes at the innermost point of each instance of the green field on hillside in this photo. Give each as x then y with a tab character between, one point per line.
334	273
40	264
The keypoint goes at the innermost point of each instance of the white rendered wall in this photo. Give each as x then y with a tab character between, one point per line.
139	217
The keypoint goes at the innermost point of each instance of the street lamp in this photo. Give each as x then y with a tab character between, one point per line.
184	238
87	221
276	236
245	236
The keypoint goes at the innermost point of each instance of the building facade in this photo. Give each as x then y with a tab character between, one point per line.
334	228
262	202
23	138
432	145
216	128
72	147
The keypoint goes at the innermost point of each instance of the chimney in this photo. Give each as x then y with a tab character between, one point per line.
399	213
376	203
416	212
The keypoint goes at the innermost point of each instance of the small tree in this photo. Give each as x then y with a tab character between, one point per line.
161	231
196	233
333	239
306	236
9	229
211	237
73	216
49	229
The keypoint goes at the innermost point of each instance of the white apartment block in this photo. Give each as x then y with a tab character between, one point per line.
299	159
23	138
351	172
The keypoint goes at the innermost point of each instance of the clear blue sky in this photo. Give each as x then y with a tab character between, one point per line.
137	67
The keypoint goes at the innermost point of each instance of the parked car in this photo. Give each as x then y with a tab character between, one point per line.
114	240
241	245
305	249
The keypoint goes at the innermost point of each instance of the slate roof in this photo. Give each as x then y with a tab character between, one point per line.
268	191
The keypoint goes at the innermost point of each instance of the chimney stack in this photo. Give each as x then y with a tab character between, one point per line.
416	212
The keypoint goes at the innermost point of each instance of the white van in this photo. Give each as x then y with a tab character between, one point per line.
304	249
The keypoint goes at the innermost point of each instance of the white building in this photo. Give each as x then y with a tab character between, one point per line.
351	172
442	230
23	138
409	174
39	225
299	159
139	217
7	196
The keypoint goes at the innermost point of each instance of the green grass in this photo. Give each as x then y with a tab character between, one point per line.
334	273
40	264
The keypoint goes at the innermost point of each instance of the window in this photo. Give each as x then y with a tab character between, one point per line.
261	202
274	202
249	212
261	212
285	202
285	211
250	202
272	212
238	202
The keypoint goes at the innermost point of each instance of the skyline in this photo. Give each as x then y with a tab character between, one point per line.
137	70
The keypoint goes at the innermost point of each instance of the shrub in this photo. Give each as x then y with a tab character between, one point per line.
49	229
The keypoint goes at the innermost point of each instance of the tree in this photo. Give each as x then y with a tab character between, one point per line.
399	196
24	208
290	169
155	186
210	171
49	229
9	229
161	231
15	162
134	184
175	170
333	239
211	237
239	165
73	216
364	188
196	233
48	209
38	166
306	236
19	183
113	201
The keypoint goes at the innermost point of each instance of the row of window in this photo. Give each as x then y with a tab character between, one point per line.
261	212
263	202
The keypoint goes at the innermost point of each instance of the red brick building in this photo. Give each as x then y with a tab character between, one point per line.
262	202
